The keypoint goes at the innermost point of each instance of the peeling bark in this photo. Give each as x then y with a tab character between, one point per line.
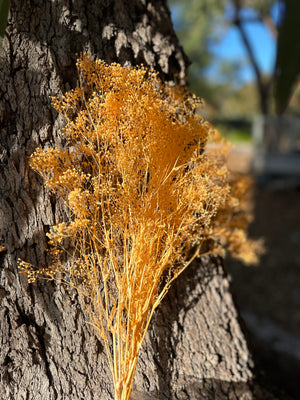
195	348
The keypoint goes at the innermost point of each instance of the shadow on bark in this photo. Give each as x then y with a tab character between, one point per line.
168	323
209	389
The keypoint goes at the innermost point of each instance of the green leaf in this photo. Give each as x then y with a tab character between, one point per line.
4	7
288	55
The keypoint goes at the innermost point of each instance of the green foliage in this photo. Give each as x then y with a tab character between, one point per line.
194	23
288	56
240	103
233	133
4	7
197	26
261	6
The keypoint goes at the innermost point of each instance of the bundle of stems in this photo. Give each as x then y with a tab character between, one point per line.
142	191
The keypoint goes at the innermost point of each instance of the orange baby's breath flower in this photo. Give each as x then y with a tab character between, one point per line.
143	188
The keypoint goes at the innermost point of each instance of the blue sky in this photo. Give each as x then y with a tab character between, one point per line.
231	47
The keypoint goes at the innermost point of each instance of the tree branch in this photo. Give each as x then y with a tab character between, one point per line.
262	87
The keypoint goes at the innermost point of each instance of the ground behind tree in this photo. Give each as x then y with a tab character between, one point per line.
269	295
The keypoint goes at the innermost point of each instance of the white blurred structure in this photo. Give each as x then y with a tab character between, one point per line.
277	141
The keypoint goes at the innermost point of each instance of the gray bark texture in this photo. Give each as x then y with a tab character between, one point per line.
195	348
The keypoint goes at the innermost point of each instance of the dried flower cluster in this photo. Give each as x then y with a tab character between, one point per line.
144	192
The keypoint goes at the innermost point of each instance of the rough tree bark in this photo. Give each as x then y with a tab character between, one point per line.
195	348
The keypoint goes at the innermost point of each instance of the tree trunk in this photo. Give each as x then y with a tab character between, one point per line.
195	348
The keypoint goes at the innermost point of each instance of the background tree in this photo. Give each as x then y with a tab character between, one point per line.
197	38
287	68
195	347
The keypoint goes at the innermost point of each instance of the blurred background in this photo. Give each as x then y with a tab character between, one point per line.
245	63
